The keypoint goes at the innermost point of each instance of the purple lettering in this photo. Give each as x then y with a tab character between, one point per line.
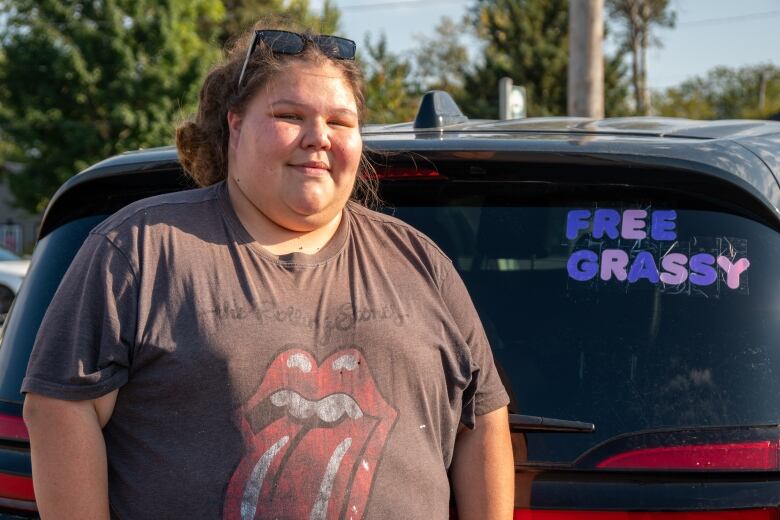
583	265
606	221
633	224
576	220
663	225
614	261
674	265
702	270
733	270
643	267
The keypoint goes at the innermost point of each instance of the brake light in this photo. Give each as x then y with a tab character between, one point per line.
12	428
753	455
16	488
16	491
394	172
746	514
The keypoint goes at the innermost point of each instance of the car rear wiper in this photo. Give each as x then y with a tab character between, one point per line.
532	423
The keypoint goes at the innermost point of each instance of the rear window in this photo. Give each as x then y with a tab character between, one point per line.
632	309
576	340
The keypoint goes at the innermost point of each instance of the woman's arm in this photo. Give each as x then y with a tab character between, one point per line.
483	472
70	473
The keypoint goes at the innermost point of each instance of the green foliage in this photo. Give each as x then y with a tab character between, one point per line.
441	61
635	21
751	92
390	97
83	80
241	16
8	151
526	40
616	85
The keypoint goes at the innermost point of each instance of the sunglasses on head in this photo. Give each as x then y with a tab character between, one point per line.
286	42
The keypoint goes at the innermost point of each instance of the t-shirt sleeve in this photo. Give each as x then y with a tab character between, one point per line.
485	391
84	345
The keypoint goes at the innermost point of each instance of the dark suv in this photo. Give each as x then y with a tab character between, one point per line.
624	272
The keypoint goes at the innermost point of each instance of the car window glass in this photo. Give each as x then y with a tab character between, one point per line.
625	356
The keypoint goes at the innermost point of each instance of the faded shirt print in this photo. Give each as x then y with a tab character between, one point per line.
316	447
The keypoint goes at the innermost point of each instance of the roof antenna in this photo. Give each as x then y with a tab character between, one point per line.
437	110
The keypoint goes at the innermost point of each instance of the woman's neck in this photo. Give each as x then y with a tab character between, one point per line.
277	239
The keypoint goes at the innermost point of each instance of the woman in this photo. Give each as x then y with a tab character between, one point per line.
263	347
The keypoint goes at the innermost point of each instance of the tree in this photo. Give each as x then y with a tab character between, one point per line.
240	15
616	84
636	20
390	96
440	62
83	80
8	151
725	93
527	41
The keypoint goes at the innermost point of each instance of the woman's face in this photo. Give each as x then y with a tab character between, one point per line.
294	153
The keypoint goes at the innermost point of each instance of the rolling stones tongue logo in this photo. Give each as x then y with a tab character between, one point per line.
321	433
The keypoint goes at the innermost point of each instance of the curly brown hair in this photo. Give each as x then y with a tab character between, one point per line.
202	142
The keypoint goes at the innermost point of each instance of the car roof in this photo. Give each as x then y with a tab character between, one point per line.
761	138
661	127
743	153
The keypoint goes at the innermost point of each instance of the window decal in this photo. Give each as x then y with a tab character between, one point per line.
635	247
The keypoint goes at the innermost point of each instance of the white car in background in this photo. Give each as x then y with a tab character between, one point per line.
12	271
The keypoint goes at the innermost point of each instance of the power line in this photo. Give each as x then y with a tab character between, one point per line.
401	3
715	21
419	3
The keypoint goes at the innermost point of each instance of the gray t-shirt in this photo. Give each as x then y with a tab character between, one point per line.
260	386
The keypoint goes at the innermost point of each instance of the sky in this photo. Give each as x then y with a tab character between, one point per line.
708	33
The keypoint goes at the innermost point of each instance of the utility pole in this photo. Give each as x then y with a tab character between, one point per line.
586	58
762	80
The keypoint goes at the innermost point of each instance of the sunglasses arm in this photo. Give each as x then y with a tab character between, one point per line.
249	51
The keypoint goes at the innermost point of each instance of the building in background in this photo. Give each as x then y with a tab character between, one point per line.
18	229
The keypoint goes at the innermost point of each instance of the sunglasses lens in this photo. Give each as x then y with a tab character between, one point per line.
336	47
283	42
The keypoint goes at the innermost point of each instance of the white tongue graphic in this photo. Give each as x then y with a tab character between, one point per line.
320	508
255	482
328	409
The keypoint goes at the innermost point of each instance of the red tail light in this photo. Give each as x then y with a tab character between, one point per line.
747	514
753	455
408	173
16	491
13	428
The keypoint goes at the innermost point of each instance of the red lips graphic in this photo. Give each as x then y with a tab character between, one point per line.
317	460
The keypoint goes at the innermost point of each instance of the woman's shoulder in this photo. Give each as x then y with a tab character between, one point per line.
385	223
169	209
380	230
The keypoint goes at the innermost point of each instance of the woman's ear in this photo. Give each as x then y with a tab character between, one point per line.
234	127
